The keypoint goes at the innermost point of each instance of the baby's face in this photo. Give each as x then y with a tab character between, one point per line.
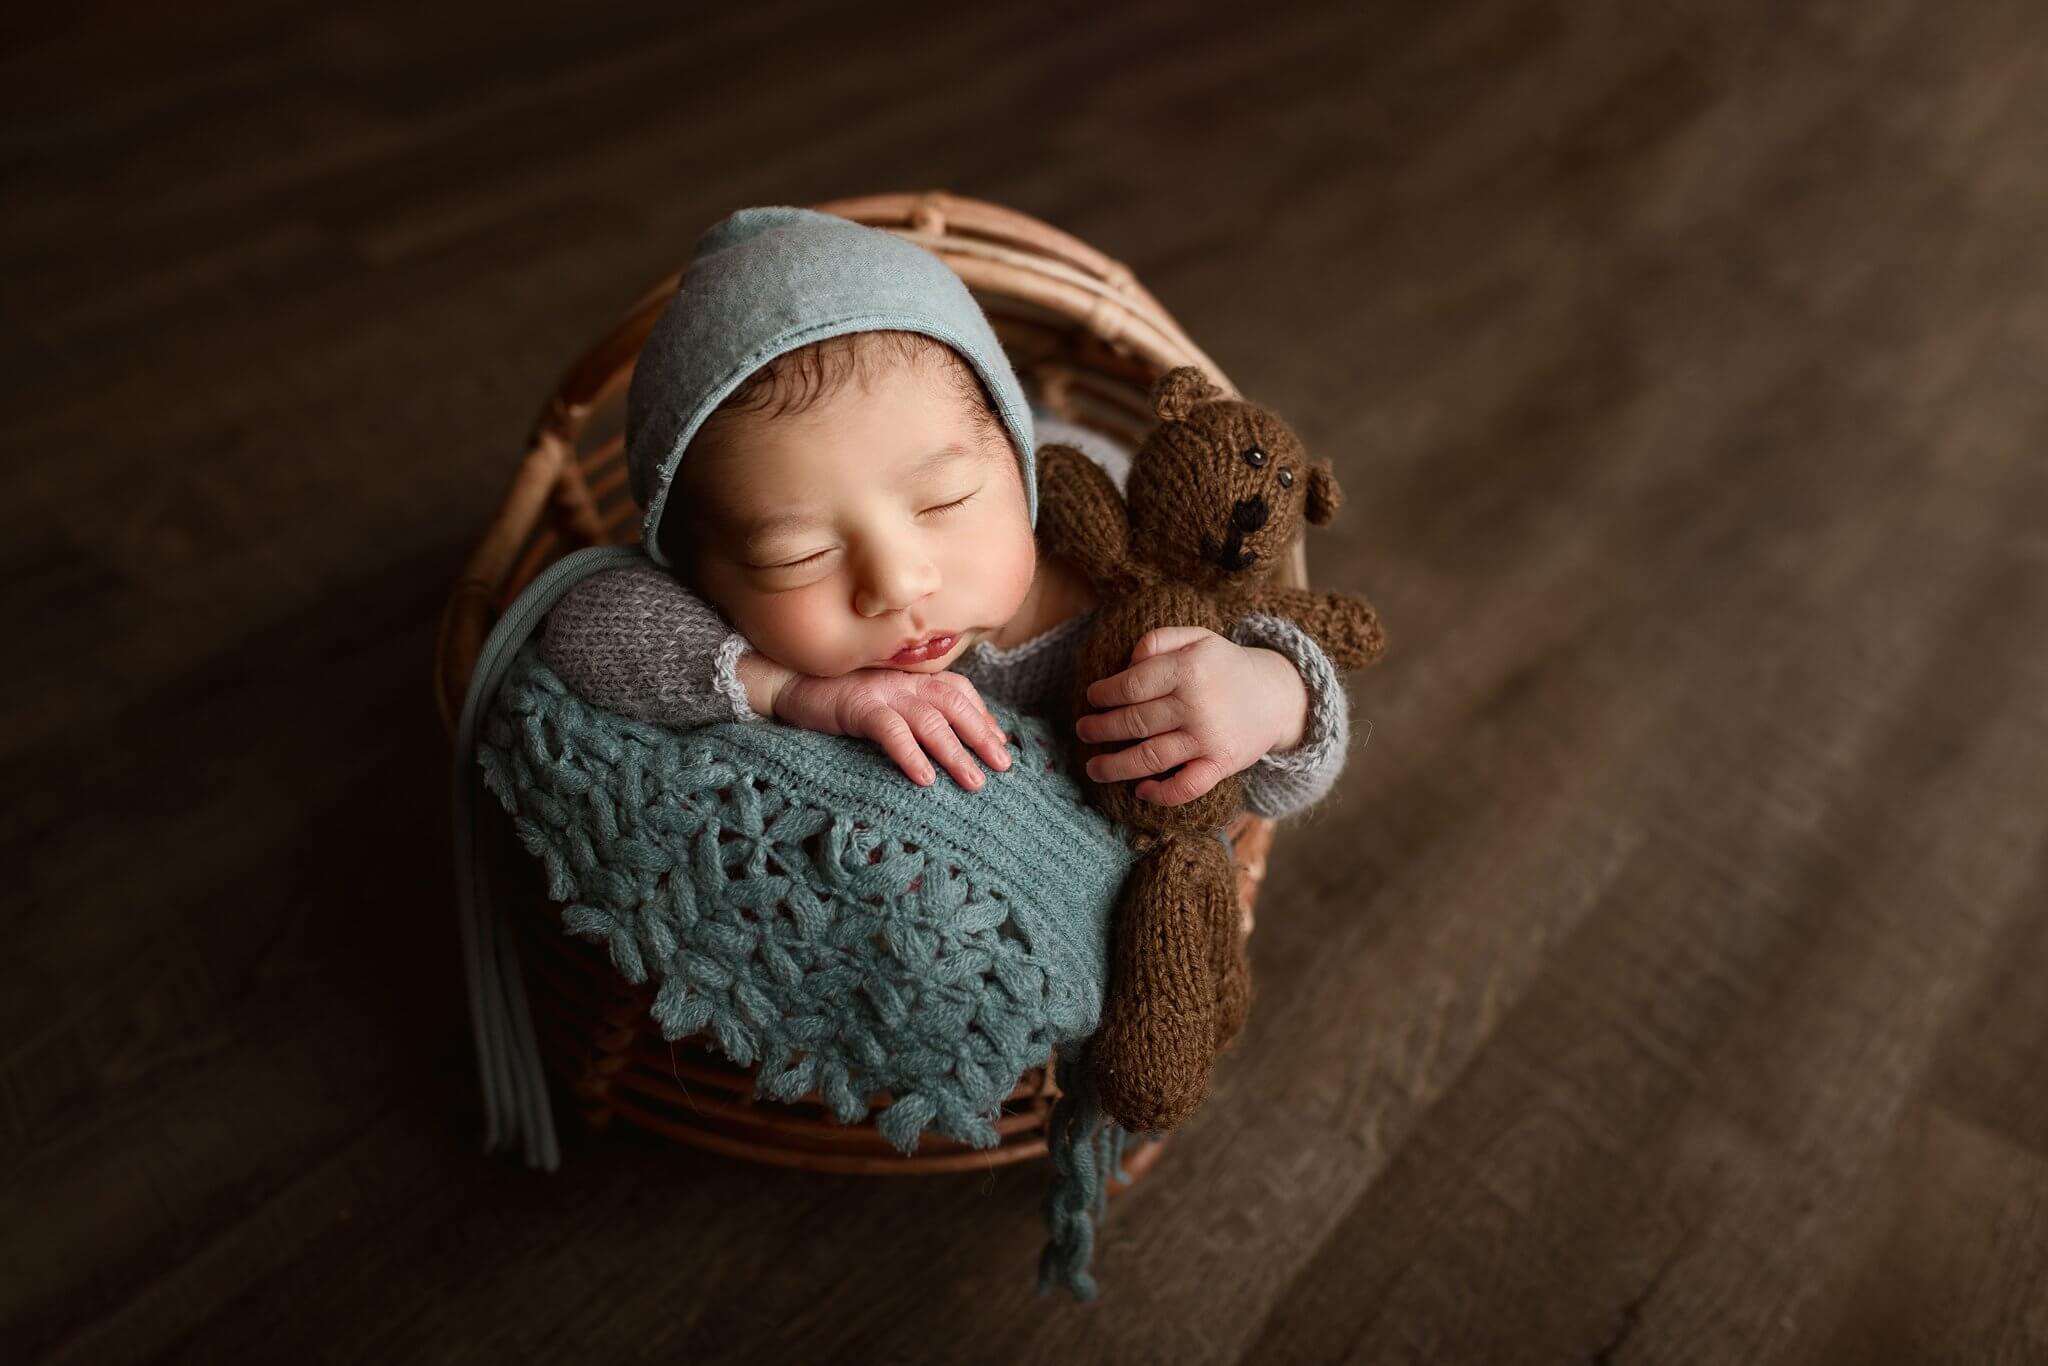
883	527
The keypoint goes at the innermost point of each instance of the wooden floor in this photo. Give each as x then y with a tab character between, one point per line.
1664	984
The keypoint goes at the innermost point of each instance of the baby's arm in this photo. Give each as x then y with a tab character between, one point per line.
1287	779
636	642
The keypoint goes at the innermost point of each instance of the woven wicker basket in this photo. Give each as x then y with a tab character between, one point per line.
1087	340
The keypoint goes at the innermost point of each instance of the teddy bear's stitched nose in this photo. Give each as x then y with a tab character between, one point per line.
1246	516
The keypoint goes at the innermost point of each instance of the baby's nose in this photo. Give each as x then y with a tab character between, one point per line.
893	585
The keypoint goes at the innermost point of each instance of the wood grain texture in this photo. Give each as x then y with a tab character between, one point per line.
1664	983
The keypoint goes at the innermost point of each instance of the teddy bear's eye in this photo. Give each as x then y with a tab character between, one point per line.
1255	457
1287	479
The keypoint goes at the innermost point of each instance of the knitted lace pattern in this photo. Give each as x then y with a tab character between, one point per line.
812	909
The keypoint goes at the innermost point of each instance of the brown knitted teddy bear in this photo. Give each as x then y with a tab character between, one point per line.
1216	495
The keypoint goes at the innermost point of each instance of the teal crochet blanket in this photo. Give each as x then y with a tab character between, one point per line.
829	922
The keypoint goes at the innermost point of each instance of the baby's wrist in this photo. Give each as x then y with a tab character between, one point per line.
1290	700
765	681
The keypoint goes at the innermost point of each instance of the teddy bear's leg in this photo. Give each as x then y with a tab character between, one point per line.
1230	963
1157	1044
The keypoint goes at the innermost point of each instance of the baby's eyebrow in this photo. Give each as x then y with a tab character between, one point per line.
945	455
762	529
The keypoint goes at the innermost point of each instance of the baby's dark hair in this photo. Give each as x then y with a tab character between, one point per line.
796	381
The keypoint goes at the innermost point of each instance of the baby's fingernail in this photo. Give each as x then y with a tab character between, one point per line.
974	780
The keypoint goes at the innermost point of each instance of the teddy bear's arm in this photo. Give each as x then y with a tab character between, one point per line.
1344	624
1081	516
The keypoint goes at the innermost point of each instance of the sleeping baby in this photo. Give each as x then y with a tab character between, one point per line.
839	538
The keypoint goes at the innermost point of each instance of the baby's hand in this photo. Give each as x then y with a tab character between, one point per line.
898	710
1193	699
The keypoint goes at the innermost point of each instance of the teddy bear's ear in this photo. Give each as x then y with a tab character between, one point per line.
1324	497
1176	392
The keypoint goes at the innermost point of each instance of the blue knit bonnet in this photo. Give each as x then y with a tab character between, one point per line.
765	281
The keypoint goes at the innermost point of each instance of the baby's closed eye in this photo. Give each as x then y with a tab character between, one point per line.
951	506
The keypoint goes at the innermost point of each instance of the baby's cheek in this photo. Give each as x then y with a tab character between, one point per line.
1015	574
804	629
1009	560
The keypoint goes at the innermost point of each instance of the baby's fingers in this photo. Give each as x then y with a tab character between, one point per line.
935	732
973	722
1194	779
893	734
1142	760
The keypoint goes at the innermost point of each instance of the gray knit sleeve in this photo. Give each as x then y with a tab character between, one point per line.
636	642
1286	781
